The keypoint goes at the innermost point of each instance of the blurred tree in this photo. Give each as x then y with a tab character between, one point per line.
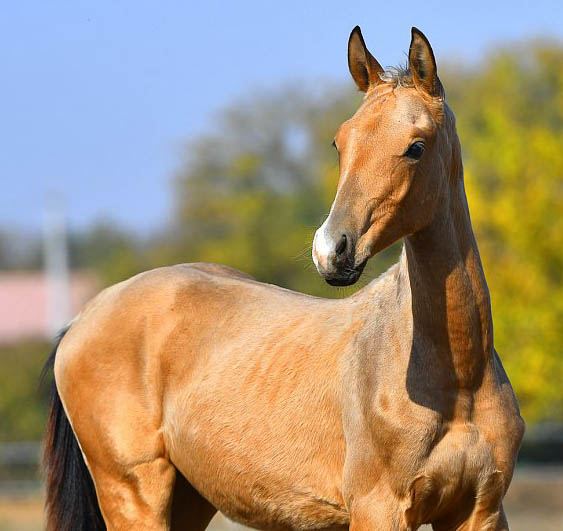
510	120
19	250
110	251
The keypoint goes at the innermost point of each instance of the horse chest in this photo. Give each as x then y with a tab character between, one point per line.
460	458
416	452
444	465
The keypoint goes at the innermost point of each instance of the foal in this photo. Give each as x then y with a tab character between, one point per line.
194	388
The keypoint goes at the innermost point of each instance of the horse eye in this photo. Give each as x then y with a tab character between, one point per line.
415	150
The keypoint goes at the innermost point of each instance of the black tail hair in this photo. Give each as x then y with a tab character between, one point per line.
71	503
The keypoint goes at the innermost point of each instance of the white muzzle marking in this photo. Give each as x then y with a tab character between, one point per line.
323	247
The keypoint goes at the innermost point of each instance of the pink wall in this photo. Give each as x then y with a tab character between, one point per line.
23	302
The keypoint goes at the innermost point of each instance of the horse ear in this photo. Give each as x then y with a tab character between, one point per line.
422	65
363	66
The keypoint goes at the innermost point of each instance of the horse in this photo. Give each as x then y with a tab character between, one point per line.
192	389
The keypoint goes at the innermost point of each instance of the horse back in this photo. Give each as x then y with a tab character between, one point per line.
196	356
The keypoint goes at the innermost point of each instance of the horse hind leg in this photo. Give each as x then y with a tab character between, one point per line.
116	420
126	457
138	487
132	477
150	495
190	510
135	497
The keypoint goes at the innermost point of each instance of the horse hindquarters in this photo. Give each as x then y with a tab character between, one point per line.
129	478
71	502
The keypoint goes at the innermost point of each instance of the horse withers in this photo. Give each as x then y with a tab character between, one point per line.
194	388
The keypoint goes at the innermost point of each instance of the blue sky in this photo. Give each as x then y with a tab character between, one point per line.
99	98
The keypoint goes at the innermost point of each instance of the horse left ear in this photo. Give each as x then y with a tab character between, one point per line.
422	65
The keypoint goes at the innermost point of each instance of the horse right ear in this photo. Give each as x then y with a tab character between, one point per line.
363	66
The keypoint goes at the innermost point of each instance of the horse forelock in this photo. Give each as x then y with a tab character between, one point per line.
397	76
394	77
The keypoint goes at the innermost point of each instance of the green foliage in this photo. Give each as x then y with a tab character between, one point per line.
510	120
23	405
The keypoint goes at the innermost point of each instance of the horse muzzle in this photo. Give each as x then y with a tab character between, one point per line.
334	258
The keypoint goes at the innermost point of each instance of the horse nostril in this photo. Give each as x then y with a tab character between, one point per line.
341	246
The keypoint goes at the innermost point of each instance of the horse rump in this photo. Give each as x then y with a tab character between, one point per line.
71	503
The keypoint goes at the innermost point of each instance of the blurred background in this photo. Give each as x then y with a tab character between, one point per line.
140	134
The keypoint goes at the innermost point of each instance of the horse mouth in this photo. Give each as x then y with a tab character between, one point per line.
347	276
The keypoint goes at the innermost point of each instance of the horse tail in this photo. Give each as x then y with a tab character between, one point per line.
71	503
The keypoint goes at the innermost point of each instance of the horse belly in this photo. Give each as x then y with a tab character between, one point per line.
263	486
268	457
269	504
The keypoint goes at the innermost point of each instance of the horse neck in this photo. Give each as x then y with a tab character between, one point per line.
450	302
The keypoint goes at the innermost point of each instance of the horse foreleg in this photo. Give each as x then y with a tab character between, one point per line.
376	511
482	521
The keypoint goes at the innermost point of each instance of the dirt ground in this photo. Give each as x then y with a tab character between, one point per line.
533	503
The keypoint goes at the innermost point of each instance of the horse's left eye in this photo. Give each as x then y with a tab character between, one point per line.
415	150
